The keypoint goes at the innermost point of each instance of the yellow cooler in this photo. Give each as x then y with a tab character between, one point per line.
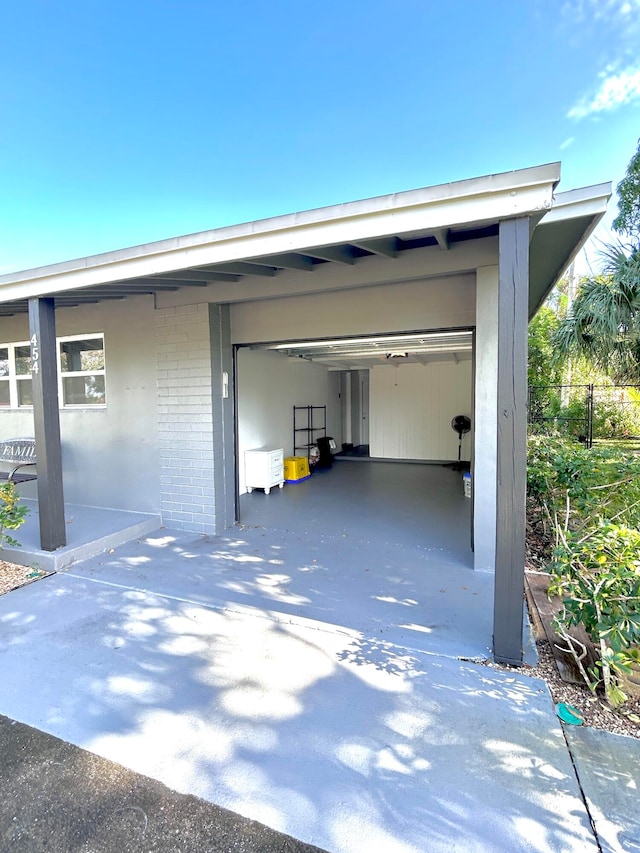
296	469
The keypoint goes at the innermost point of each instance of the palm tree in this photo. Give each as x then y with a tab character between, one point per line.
603	323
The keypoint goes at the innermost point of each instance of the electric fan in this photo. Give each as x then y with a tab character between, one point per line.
460	424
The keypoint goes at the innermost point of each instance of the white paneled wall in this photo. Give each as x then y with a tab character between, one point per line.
411	408
269	385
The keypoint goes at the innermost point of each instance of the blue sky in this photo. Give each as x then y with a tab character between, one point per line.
127	122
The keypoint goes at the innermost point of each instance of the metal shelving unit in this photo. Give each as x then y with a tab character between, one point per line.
309	424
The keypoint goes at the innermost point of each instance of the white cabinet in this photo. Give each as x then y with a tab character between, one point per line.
263	469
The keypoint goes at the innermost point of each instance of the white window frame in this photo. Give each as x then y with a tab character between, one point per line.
19	377
7	378
14	378
71	374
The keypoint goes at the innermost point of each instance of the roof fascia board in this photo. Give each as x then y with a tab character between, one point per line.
464	203
584	201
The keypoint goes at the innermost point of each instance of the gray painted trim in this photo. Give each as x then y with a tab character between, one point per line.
46	418
513	297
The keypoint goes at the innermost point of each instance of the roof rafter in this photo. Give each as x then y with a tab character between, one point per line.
201	276
442	237
337	254
388	247
287	261
238	268
152	283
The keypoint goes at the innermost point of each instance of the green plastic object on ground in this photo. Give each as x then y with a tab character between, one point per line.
569	714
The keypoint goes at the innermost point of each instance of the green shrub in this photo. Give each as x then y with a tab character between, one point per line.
597	577
12	513
576	488
589	500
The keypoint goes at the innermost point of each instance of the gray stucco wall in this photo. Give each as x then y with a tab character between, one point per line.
109	455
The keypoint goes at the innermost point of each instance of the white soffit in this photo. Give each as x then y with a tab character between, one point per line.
560	235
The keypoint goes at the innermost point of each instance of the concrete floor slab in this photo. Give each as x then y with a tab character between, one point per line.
395	593
90	531
608	766
333	735
417	509
305	670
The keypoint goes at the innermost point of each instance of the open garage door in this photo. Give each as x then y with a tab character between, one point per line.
397	393
382	398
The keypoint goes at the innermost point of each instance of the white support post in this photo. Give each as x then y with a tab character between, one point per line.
486	425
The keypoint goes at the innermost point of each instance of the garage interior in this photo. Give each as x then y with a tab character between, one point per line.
388	402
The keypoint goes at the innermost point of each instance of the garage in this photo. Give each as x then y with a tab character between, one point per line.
213	338
388	401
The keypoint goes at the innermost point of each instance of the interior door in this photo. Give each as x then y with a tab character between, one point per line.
364	409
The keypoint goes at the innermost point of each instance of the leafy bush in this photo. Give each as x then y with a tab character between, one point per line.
575	488
12	513
589	500
615	418
598	581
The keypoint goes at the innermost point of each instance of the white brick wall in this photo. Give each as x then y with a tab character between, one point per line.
185	418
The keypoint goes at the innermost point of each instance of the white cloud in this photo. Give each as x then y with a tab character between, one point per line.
616	89
615	11
567	142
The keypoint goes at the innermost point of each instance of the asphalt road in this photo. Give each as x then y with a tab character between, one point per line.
56	797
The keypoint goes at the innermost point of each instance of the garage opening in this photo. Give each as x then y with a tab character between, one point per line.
387	404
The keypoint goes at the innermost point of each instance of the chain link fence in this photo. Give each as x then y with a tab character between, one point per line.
587	413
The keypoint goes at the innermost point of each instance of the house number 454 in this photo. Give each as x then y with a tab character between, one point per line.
35	354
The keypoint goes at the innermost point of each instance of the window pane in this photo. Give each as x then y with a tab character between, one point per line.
4	361
4	392
83	390
24	392
85	356
23	360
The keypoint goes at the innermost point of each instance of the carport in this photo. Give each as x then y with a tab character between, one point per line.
478	254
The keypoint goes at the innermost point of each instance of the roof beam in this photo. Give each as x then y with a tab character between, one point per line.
238	268
287	261
203	277
187	276
387	247
442	238
77	298
116	291
337	254
154	283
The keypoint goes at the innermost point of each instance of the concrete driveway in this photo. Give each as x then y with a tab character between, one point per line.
240	670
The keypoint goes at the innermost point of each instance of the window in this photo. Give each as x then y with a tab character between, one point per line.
81	372
5	389
22	361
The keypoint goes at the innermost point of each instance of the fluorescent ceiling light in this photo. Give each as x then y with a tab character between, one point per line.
387	339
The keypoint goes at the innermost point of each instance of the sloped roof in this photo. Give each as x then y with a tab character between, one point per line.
442	216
